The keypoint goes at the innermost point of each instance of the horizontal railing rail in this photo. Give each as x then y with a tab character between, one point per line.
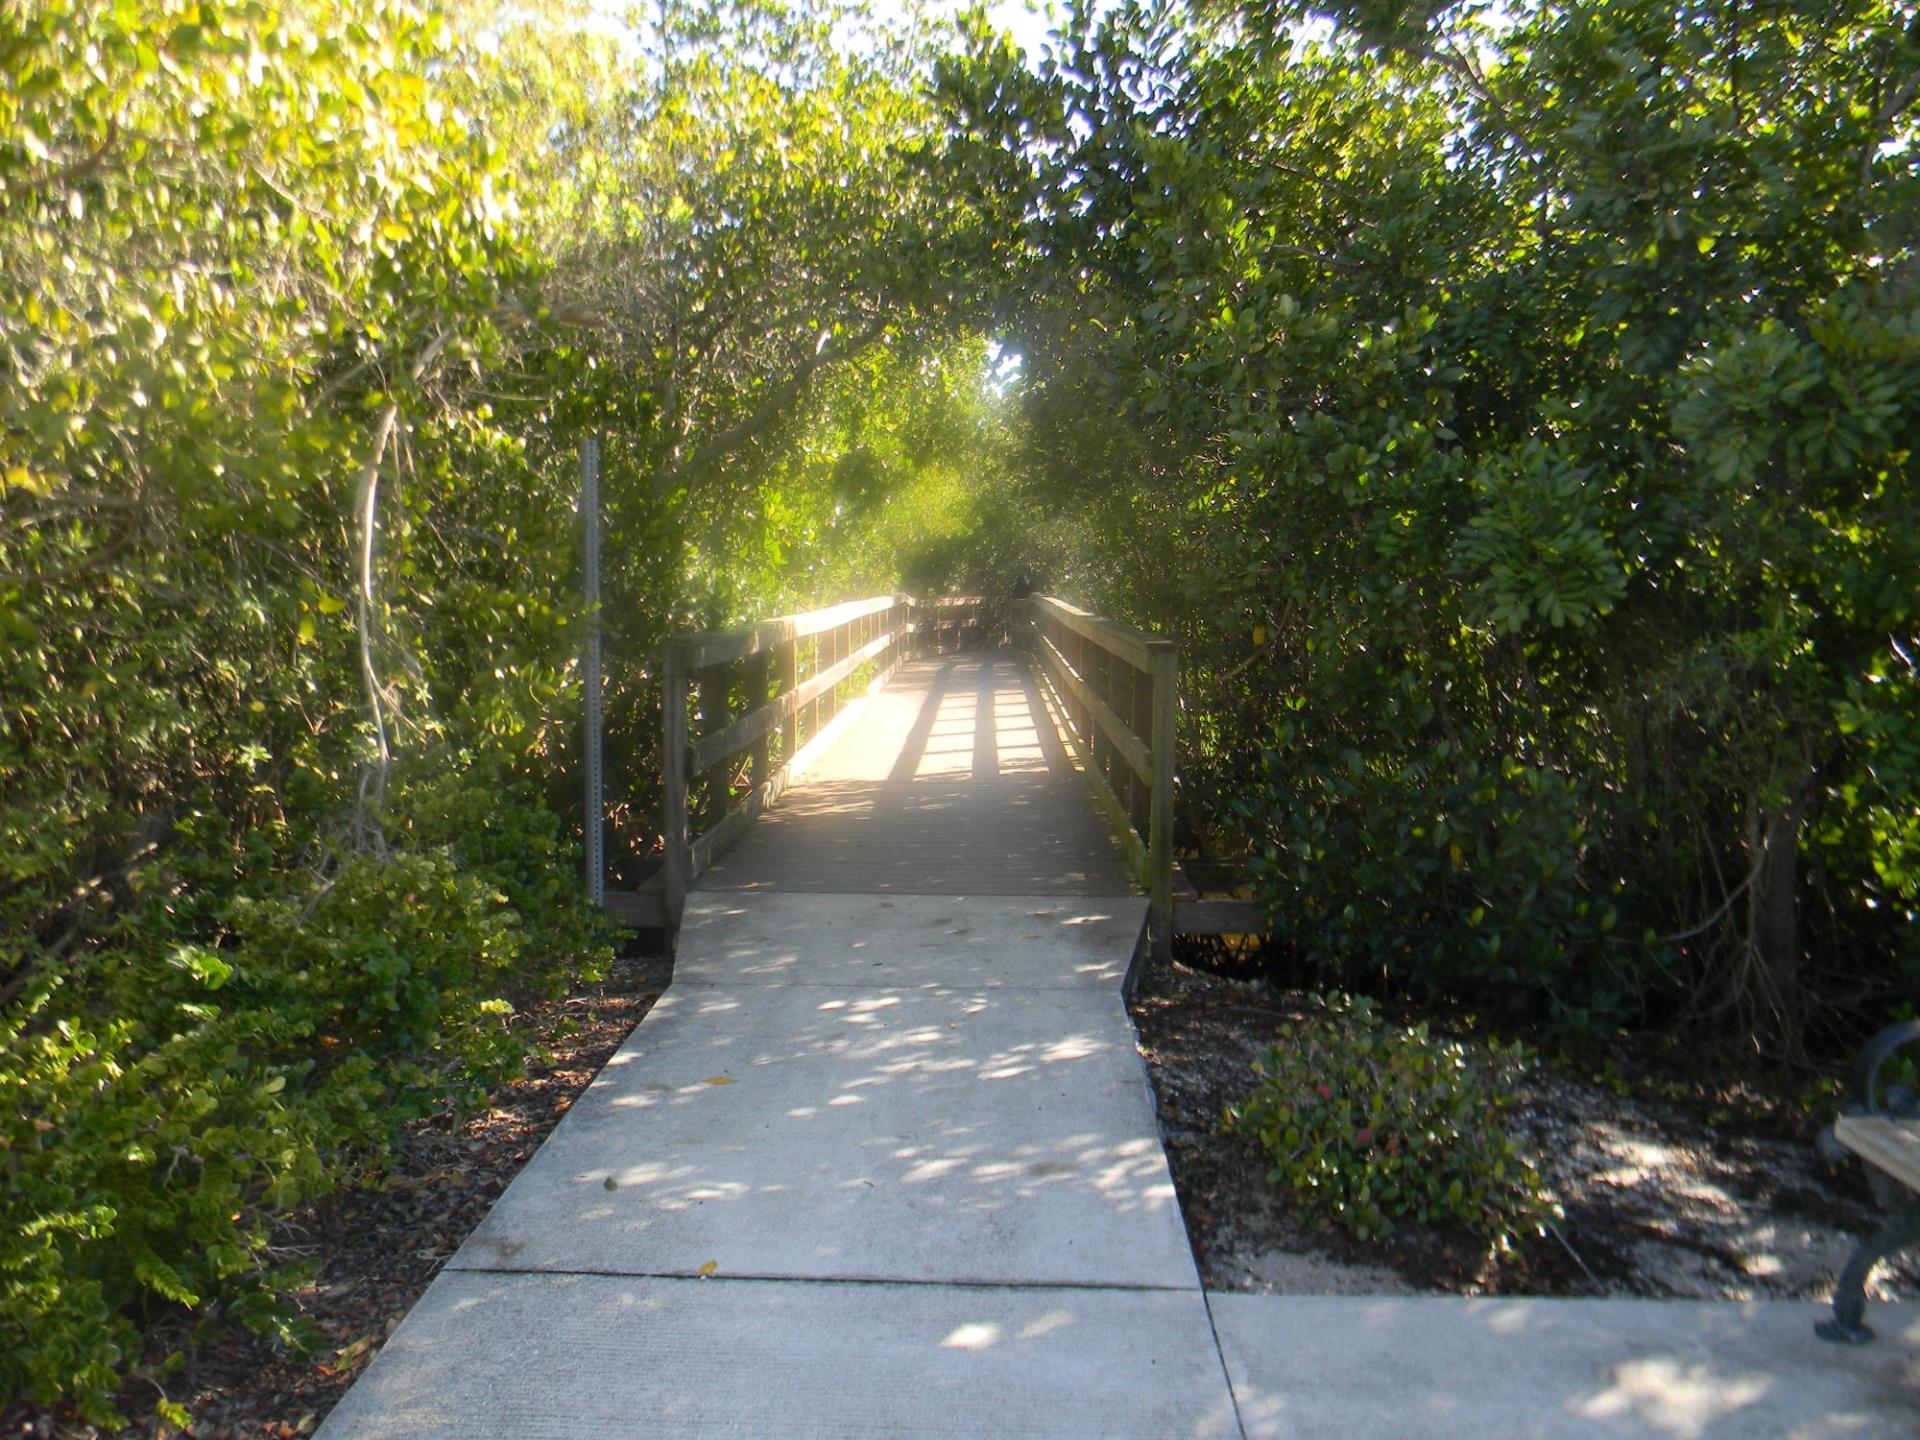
957	622
1117	690
737	706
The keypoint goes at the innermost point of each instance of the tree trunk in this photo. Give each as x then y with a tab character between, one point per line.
1773	921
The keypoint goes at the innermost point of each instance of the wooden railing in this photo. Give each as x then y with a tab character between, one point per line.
956	622
1118	691
737	706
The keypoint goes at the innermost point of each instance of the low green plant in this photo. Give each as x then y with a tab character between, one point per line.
501	831
163	1104
1369	1123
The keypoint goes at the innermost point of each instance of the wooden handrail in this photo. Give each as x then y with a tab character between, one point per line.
1115	689
949	622
1126	738
1136	647
716	647
789	672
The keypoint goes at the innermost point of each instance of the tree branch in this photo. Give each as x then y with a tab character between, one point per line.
373	779
777	401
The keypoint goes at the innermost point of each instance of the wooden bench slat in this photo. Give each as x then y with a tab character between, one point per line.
1890	1145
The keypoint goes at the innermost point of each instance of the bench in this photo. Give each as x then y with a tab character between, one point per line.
1884	1131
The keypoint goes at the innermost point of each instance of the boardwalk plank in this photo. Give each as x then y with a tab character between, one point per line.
953	781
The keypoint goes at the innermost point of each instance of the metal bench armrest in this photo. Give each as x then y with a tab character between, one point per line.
1863	1095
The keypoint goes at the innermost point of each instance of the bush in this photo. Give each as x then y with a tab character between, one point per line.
501	830
143	1157
1368	1123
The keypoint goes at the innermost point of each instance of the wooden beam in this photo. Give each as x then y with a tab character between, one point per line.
642	909
788	657
1131	846
710	750
1166	711
716	647
1132	646
1220	917
815	621
1886	1144
735	824
1118	733
673	819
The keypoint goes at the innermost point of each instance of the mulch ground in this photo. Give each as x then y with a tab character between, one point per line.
379	1245
1669	1188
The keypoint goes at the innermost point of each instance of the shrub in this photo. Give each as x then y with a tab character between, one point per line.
141	1158
401	960
161	1105
502	831
1368	1123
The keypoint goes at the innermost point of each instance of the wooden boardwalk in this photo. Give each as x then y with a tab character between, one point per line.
953	779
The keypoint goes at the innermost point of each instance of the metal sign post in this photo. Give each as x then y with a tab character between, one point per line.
596	816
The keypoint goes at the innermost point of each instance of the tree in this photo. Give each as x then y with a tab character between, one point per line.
1525	399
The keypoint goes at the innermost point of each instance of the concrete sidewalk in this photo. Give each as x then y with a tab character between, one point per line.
873	1165
1446	1368
888	1165
843	1088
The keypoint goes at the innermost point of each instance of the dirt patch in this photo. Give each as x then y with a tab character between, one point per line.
379	1245
1666	1193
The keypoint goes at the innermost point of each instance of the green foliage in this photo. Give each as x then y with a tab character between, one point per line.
1368	1124
1512	413
306	310
258	274
503	837
147	1154
397	956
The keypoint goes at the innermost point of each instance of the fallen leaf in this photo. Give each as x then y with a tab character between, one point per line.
709	1267
718	1080
347	1354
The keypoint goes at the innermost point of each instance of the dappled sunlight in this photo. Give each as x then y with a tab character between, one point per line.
973	1336
857	1072
1668	1370
504	1354
1672	1397
1008	1125
844	946
976	717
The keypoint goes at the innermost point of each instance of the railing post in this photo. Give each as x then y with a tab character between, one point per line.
836	647
713	787
757	669
789	662
810	712
1166	711
674	819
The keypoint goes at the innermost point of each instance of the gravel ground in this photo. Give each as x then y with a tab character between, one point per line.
381	1244
1667	1192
